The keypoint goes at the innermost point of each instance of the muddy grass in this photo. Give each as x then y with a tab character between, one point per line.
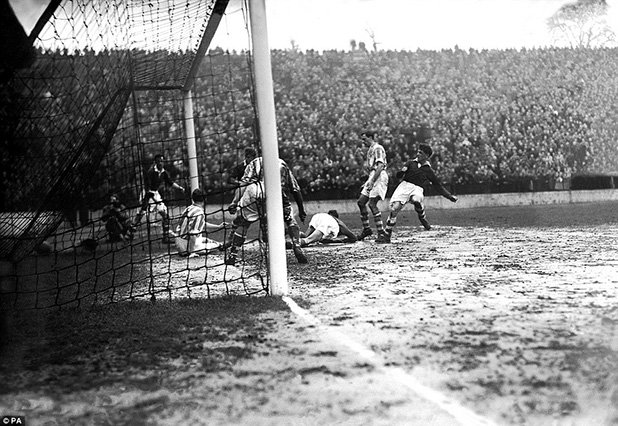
511	312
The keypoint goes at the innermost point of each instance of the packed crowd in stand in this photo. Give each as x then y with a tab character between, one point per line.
492	115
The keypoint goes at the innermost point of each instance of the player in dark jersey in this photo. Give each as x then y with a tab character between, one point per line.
116	220
155	177
414	176
254	172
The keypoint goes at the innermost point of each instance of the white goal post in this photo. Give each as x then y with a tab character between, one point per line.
270	147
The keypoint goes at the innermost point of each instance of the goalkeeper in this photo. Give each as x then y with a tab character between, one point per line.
327	228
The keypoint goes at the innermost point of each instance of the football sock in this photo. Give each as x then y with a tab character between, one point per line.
165	225
390	224
294	232
420	210
238	240
365	221
377	217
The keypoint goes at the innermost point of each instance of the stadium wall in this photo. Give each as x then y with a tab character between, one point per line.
481	200
214	213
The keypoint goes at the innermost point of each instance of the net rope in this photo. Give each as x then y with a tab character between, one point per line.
104	96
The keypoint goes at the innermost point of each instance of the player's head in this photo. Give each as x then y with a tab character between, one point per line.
333	213
250	154
158	159
425	150
113	199
368	134
197	196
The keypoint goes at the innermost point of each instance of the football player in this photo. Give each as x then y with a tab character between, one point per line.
375	187
155	177
328	229
414	176
254	172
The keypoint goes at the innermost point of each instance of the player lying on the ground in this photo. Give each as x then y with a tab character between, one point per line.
189	239
116	220
327	228
414	175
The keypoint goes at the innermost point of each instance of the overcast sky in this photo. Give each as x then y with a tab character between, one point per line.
396	24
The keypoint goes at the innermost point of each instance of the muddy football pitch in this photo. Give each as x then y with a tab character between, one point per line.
510	312
498	315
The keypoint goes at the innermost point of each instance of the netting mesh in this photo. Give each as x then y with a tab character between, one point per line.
105	95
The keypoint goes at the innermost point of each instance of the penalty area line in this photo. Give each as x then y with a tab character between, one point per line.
461	414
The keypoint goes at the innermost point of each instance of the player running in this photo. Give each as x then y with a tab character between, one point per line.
375	187
415	174
155	177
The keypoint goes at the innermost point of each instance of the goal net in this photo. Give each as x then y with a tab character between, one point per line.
112	85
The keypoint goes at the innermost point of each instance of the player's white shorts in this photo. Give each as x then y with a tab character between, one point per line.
326	224
202	244
379	187
251	203
155	202
407	191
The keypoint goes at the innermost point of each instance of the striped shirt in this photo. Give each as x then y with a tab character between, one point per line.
255	172
375	154
192	222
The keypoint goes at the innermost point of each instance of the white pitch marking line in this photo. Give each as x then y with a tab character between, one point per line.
463	415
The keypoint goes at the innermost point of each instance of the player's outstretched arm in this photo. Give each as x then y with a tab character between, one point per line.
435	181
213	227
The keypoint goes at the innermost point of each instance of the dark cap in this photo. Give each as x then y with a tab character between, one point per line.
333	213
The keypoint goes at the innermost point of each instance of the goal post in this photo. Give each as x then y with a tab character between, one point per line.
190	137
270	147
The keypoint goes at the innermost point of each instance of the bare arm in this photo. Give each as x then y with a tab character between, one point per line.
213	227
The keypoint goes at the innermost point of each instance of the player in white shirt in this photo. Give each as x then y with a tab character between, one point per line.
189	239
327	228
375	187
